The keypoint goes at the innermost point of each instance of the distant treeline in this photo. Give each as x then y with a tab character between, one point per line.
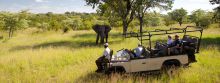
84	21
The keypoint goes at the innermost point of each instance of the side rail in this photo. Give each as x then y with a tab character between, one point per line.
146	35
132	35
198	29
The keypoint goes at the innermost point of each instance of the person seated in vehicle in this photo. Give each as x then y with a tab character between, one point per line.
176	45
169	44
169	41
138	51
189	48
104	57
160	49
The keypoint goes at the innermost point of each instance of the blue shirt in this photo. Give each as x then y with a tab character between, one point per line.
138	51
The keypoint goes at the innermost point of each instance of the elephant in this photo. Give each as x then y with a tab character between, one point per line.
102	32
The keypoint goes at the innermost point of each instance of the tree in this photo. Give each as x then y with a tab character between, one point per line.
168	20
153	19
141	6
112	18
2	22
14	22
178	15
217	10
124	9
201	18
10	23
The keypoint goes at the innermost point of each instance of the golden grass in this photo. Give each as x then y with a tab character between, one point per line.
57	57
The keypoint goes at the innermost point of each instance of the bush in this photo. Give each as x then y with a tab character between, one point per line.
204	22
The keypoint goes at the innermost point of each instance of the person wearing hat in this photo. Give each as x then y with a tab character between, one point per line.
177	45
177	41
100	60
106	52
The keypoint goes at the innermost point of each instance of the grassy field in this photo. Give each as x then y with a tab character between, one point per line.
32	57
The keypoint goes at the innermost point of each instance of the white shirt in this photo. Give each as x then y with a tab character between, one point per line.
169	41
138	51
106	53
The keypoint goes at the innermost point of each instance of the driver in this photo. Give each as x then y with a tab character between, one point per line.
106	52
106	55
138	51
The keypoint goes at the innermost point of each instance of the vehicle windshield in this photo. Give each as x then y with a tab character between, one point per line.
121	55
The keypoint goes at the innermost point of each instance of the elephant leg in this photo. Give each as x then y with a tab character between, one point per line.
102	35
106	38
102	39
97	39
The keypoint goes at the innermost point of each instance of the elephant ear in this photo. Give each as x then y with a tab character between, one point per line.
107	28
96	28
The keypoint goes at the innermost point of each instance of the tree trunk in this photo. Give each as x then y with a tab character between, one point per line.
141	27
141	24
180	23
10	32
197	24
125	27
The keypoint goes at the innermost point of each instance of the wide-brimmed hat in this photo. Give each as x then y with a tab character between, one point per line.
106	44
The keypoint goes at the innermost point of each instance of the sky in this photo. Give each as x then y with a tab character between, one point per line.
61	6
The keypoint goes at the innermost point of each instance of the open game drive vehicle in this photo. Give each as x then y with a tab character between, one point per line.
152	59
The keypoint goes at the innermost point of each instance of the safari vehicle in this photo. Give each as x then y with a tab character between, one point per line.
123	61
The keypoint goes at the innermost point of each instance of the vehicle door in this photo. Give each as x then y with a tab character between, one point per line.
137	65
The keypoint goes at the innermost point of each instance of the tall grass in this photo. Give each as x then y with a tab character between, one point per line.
57	57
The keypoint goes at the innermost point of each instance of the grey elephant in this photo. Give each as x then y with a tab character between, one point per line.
102	32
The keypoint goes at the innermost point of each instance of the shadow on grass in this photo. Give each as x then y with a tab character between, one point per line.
92	78
79	41
210	42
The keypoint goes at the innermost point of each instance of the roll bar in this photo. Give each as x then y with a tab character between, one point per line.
158	32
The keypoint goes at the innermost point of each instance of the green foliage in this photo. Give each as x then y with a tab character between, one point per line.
43	26
87	25
122	9
178	15
201	18
153	19
84	21
168	20
54	25
14	21
2	24
72	23
23	23
127	9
